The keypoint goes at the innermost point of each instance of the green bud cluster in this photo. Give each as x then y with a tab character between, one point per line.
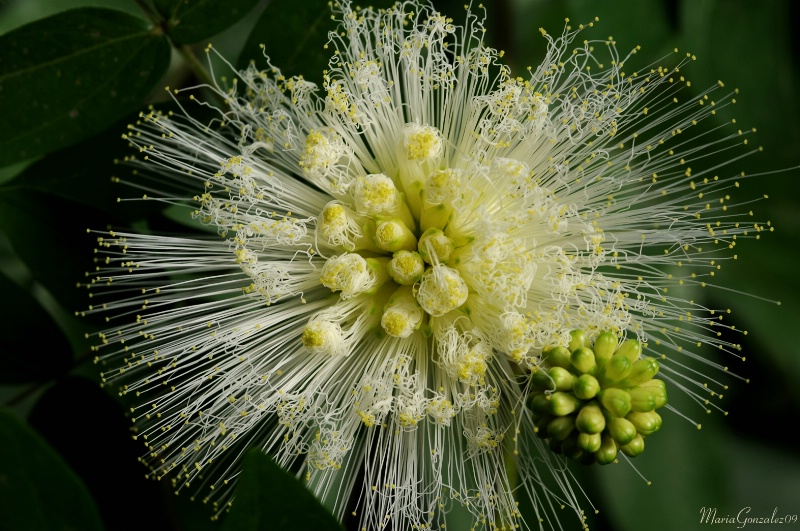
590	402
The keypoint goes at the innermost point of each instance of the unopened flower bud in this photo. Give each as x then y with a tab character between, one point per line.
643	370
633	448
661	391
582	359
590	419
616	401
560	428
578	339
563	404
586	387
589	442
630	349
622	430
607	452
604	347
646	423
643	398
617	368
557	357
562	378
540	404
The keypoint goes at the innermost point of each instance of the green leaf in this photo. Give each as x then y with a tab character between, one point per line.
84	173
32	347
49	235
121	478
620	18
69	76
194	21
294	35
38	491
269	499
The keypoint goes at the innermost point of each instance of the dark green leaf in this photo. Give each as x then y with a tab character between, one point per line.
121	478
269	499
69	76
83	173
48	233
294	35
38	491
619	17
32	348
194	21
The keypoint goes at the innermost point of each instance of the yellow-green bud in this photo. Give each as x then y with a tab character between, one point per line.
642	370
590	419
633	448
631	349
578	340
541	380
560	428
647	423
557	357
540	404
563	404
586	387
607	452
616	401
590	442
622	430
661	393
562	378
554	379
604	347
582	359
644	398
615	370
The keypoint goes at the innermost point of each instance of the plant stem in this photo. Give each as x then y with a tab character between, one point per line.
184	50
150	12
196	66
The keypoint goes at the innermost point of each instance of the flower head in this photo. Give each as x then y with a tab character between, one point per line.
399	266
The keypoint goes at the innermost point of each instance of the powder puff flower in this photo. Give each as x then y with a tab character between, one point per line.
412	272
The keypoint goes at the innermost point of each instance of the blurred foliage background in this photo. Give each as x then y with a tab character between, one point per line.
66	458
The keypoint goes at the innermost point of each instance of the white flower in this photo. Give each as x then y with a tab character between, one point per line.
396	254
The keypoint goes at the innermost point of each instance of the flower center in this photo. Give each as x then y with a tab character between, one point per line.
392	229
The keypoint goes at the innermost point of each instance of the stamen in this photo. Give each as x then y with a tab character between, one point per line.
406	268
402	314
441	290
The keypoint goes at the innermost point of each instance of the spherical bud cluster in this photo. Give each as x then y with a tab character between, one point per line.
590	403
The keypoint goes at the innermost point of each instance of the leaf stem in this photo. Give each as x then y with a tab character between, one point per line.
151	13
184	50
196	66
